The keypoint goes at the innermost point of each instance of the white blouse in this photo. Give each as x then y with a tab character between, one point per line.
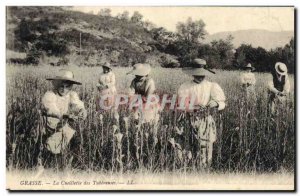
204	92
248	78
108	79
60	105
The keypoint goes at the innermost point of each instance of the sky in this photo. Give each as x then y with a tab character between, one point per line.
217	19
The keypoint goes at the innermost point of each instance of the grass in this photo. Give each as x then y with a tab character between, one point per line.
248	140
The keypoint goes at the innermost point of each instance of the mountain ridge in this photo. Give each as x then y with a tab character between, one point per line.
260	37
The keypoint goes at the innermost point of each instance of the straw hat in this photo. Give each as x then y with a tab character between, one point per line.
140	69
198	68
281	68
107	65
249	66
65	75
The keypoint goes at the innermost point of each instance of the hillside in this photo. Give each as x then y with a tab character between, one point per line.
61	36
89	38
255	37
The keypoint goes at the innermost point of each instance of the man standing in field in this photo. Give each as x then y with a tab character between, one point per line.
61	106
204	95
279	86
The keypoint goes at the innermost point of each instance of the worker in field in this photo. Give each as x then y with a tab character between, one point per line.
203	96
62	108
144	112
106	86
248	81
144	86
278	86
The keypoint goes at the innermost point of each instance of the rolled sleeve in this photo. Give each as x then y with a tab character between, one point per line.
287	86
74	98
242	79
218	96
49	104
131	90
271	87
253	79
150	87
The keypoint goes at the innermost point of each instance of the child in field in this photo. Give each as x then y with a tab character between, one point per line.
106	85
279	86
206	95
61	105
248	81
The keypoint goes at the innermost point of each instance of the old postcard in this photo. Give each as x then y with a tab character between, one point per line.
150	98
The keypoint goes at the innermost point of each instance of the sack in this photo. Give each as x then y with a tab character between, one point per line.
59	141
206	128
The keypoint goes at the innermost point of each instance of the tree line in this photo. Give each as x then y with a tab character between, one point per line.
187	43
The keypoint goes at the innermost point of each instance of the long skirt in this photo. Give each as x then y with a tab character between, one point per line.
56	140
101	105
146	115
274	101
199	137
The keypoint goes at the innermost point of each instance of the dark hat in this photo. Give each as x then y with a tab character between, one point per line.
106	64
197	69
249	66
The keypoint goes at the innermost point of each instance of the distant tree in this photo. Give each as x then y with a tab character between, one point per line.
124	16
258	57
165	40
25	33
218	54
290	55
136	17
192	31
148	25
189	35
284	54
33	56
104	12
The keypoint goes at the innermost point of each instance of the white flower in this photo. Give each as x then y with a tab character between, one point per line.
126	120
178	146
179	154
119	137
14	145
172	141
116	116
115	128
155	140
101	118
189	155
179	131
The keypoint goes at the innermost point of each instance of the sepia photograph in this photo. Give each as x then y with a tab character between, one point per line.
150	98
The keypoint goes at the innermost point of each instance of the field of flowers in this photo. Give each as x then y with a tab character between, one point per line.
248	137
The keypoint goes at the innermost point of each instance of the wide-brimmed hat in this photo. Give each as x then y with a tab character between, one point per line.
249	66
198	61
65	75
281	68
108	65
197	69
140	69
